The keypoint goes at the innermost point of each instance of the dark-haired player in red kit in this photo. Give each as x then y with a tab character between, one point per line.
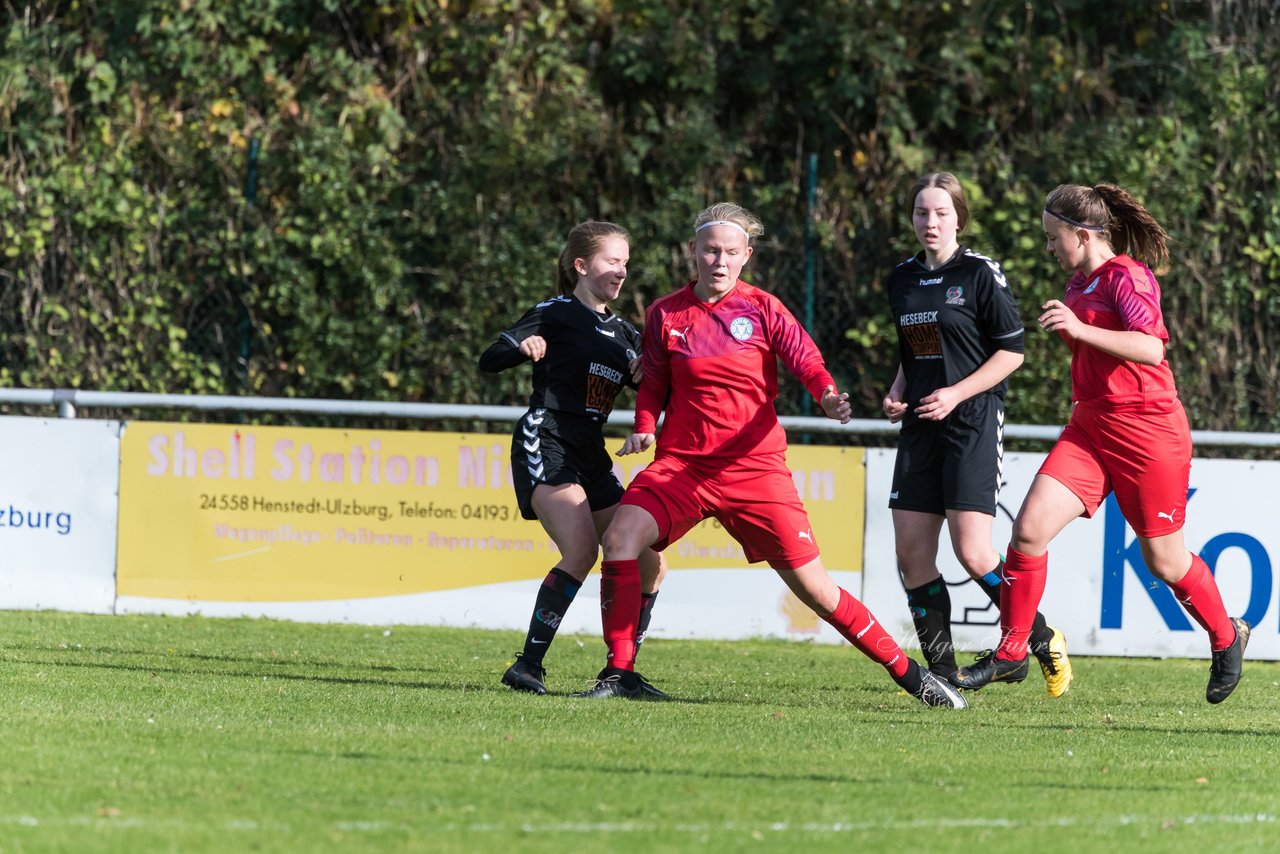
1128	431
710	357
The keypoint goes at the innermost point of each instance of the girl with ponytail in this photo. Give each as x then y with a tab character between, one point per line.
1128	432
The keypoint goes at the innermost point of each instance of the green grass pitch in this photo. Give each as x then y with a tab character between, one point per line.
190	734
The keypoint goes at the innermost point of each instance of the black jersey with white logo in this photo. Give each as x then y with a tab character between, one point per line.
951	319
587	357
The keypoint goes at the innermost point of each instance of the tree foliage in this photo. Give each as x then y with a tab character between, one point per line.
348	200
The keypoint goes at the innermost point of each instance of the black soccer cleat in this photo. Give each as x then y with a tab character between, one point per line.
988	669
525	676
937	691
1224	672
614	682
649	690
946	674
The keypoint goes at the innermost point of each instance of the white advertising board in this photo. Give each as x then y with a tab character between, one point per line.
58	485
1099	591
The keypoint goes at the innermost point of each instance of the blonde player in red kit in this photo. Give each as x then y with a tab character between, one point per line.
711	352
1128	432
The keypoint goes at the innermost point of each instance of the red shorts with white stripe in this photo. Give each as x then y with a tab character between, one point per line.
1142	452
759	507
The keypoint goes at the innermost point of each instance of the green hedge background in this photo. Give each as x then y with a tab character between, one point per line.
342	200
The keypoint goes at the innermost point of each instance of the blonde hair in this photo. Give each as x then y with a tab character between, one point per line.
951	184
1115	216
583	242
728	212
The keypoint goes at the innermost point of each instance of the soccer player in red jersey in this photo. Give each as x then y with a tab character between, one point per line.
582	354
711	352
959	337
1128	432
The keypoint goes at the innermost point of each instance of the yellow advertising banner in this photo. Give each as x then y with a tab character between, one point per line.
212	512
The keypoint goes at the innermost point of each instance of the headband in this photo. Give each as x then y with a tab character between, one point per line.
723	222
1069	221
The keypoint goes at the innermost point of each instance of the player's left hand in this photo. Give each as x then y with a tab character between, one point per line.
636	443
1058	318
940	404
636	366
836	405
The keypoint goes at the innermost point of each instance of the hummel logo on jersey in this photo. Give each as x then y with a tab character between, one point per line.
1093	285
605	332
805	535
1169	515
936	281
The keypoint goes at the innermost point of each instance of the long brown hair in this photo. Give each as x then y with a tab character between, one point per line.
1115	216
583	242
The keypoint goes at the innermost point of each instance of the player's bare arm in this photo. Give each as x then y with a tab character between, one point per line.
893	405
992	372
1123	344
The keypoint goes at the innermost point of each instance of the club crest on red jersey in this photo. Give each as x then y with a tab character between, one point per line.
741	328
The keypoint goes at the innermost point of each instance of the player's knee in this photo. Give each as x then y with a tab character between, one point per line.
977	561
1168	568
912	555
1028	537
620	543
578	561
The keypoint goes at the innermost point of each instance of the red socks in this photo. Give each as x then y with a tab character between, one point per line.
1020	594
620	610
1198	593
860	627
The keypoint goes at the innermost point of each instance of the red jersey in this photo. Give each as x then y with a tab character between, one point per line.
714	368
1122	295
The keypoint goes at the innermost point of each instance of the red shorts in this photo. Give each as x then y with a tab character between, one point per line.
1143	454
759	507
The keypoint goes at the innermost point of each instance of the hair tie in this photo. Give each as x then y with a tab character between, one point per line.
1069	221
722	222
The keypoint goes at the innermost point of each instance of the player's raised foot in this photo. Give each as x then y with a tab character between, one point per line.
1224	672
1054	663
613	682
988	669
936	691
525	676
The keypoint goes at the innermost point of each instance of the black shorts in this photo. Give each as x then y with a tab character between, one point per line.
955	464
554	448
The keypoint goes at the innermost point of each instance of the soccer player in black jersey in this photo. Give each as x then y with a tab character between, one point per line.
959	338
582	355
